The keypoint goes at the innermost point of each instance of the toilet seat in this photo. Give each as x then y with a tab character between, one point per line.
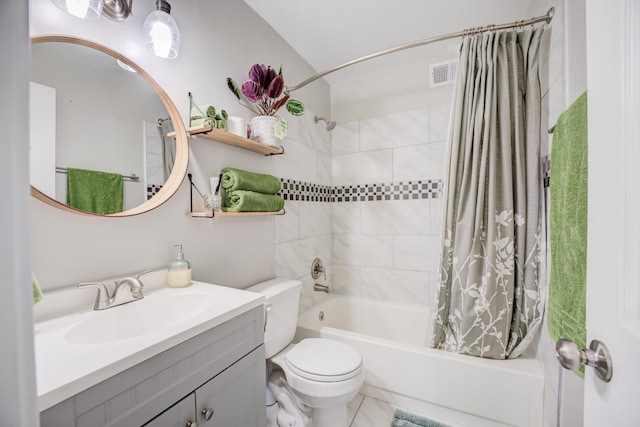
324	360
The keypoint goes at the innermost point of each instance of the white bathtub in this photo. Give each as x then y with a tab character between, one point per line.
460	390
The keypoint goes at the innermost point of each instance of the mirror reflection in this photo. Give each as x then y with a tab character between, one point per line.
97	130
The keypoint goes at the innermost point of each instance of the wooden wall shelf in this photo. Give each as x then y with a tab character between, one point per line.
223	214
205	131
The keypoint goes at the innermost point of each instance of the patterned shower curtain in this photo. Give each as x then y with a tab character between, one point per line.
490	298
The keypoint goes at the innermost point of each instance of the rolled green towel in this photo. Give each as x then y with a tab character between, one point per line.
37	290
202	121
224	114
238	179
249	201
221	124
207	110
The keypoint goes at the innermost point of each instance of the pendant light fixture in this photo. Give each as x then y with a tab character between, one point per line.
84	9
161	33
116	10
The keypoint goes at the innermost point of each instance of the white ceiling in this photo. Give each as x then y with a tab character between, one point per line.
330	32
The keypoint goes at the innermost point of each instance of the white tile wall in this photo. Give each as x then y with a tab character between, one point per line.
396	217
394	130
389	249
418	162
346	138
305	232
363	168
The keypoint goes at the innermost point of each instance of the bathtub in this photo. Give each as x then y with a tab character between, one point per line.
400	369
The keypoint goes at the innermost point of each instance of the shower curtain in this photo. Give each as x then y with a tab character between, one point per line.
490	298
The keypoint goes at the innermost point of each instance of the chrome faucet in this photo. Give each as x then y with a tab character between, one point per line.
317	268
321	288
126	290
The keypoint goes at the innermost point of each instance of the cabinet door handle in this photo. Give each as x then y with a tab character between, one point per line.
192	424
207	413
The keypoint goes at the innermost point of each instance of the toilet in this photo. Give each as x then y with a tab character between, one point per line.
323	374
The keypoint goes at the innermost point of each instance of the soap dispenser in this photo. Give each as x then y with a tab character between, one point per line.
179	271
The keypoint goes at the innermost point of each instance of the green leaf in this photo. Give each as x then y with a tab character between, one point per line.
295	107
280	128
233	87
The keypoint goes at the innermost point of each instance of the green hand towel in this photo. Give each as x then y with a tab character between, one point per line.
207	110
203	121
93	191
37	290
249	201
237	179
568	226
221	124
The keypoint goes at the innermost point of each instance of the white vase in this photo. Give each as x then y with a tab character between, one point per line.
263	130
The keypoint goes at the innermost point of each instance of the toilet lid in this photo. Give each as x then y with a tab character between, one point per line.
323	359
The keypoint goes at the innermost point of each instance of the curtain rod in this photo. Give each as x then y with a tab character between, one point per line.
132	177
470	31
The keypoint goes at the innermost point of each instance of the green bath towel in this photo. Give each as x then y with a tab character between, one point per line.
93	191
237	179
405	419
249	201
568	226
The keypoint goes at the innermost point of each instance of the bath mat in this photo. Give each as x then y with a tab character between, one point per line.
405	419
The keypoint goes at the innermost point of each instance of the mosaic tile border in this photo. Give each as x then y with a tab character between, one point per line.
404	190
305	191
152	190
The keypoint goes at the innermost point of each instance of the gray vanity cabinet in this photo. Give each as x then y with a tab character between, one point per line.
222	369
227	400
182	414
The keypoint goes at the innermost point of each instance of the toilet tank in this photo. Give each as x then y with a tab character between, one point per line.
282	297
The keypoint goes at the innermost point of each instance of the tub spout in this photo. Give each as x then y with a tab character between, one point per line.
321	288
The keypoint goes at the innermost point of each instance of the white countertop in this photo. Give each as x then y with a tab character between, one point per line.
65	368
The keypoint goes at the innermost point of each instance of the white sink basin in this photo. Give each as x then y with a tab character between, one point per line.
137	318
81	349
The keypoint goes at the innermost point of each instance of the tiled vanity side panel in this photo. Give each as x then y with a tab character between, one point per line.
140	393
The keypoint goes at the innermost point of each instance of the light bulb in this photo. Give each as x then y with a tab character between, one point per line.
161	33
84	9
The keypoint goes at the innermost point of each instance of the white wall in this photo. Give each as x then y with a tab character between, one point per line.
219	39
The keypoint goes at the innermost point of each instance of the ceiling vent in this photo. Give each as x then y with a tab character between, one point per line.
443	73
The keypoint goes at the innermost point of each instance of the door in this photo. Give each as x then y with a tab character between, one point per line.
182	414
235	397
613	272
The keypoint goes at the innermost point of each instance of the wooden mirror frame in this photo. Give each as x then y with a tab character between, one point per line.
179	170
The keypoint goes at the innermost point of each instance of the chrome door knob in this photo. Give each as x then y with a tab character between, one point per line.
597	356
192	424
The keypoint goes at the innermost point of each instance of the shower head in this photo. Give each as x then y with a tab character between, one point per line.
330	123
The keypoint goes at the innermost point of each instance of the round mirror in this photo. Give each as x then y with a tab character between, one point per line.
98	131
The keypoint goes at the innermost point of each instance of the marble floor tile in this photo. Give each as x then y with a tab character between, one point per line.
353	406
374	413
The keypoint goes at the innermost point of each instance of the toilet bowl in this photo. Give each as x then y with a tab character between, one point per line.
323	374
